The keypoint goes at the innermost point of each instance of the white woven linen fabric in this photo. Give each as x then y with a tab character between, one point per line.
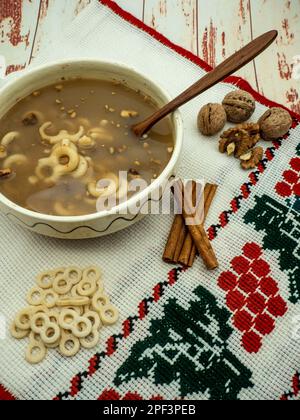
131	260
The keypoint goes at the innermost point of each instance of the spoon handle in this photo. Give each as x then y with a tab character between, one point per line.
225	69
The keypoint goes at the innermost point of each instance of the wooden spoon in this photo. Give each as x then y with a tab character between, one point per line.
229	66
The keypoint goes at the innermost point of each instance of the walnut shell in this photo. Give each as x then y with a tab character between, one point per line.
211	119
275	123
239	106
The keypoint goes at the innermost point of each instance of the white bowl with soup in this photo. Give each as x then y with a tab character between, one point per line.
64	128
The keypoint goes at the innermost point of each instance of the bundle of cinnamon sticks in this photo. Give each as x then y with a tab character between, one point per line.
185	239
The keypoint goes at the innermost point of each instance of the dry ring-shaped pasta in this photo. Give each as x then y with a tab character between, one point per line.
15	160
109	314
36	352
45	280
17	333
67	318
40	308
50	298
39	322
74	275
87	287
53	345
92	272
74	291
72	301
63	134
100	286
78	309
34	336
59	271
82	168
87	308
5	142
53	316
100	301
97	190
94	318
82	327
50	333
69	345
35	296
91	340
23	318
62	285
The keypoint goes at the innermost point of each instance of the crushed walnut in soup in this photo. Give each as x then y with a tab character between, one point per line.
59	142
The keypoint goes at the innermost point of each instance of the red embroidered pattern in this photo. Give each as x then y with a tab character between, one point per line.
253	297
5	395
291	180
295	391
112	395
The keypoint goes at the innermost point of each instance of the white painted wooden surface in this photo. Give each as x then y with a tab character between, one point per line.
212	29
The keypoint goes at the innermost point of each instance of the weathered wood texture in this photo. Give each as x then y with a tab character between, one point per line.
211	29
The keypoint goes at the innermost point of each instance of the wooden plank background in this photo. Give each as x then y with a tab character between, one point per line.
212	29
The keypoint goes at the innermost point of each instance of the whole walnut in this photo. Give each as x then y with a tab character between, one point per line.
211	119
239	106
275	123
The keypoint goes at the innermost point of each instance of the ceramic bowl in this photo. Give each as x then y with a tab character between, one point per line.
105	222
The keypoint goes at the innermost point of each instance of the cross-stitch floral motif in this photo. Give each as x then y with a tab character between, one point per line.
189	347
253	296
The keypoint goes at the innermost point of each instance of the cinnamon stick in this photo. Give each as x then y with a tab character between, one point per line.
209	194
177	231
189	252
198	233
180	245
180	242
192	255
185	257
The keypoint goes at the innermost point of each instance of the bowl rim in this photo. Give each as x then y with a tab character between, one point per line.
141	196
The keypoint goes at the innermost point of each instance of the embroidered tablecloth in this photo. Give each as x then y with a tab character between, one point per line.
183	334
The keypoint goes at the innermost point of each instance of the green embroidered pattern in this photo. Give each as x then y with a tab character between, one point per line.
189	346
280	223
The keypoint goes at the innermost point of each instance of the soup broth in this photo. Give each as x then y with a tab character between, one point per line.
56	144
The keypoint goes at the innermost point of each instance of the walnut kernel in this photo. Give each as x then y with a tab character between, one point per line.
244	137
256	156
